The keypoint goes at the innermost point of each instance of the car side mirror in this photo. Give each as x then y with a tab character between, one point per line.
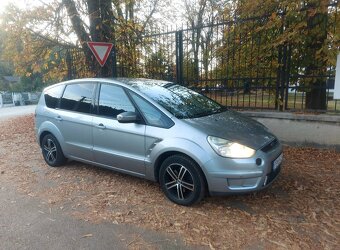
127	117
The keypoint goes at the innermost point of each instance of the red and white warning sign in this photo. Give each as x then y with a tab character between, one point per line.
100	50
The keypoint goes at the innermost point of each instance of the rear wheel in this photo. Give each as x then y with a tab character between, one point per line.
181	180
51	151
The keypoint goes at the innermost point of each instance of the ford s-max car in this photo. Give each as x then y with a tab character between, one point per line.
157	130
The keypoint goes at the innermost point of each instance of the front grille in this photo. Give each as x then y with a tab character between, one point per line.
270	146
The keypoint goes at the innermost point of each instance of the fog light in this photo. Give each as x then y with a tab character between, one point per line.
258	161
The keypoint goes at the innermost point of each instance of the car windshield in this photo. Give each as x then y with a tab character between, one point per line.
180	101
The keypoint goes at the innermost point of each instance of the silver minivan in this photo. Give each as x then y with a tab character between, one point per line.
160	131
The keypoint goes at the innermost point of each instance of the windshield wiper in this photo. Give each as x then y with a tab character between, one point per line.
209	112
168	85
202	114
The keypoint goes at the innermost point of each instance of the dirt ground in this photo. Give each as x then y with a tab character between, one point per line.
300	210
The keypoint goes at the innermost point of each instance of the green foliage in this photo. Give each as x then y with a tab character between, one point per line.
35	57
6	69
309	30
32	83
157	66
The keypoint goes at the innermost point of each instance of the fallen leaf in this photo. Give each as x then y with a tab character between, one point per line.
86	236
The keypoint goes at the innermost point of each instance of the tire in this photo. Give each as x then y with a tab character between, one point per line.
181	180
51	150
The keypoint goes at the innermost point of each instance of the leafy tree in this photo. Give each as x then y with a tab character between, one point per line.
190	70
157	66
199	40
304	31
252	43
33	53
67	25
6	69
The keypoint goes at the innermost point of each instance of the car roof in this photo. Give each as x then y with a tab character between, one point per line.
142	81
135	83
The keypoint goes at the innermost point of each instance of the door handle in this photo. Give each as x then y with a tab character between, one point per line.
58	118
100	126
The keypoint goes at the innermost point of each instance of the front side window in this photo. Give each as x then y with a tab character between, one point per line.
113	101
52	96
153	116
78	97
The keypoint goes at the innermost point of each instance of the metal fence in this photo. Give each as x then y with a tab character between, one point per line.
241	63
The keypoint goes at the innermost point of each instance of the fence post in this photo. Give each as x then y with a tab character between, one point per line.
114	60
69	65
287	76
282	82
278	79
283	77
179	57
282	58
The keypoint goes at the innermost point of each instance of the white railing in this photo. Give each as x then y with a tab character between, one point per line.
18	98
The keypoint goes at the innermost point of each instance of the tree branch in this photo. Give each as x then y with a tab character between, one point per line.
77	23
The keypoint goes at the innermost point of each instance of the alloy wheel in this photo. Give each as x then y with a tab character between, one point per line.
50	150
179	181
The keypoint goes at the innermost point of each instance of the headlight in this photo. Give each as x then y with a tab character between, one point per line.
230	149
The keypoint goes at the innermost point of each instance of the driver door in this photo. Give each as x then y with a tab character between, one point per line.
117	145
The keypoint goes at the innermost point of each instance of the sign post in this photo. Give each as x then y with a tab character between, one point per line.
101	51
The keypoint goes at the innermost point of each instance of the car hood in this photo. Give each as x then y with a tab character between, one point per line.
233	126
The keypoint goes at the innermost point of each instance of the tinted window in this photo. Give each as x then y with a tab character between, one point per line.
78	97
153	116
52	96
180	101
113	101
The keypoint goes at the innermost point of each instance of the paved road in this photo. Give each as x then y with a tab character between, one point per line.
29	223
8	112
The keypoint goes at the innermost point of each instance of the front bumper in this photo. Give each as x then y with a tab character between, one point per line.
232	176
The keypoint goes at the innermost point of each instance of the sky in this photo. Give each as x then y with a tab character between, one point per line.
176	4
19	3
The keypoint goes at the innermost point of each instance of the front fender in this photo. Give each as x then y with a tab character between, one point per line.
176	145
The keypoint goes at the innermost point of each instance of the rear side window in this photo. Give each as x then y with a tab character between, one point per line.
78	97
113	101
52	96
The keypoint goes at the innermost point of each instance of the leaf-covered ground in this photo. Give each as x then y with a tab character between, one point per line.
300	210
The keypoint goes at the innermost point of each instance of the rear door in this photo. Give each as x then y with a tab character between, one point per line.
117	145
75	119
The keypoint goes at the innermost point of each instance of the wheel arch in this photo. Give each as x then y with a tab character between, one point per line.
162	157
49	128
42	135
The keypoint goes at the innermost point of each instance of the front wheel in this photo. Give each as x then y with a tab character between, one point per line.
51	150
181	180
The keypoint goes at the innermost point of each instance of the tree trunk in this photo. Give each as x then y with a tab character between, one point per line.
94	17
316	97
95	27
77	24
101	30
316	67
196	35
107	34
